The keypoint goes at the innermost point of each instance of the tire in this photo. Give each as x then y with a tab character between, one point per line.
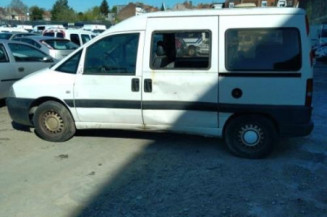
53	122
191	51
250	136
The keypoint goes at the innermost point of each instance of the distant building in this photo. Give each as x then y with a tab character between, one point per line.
111	17
184	6
133	10
262	3
46	16
217	5
120	7
2	13
16	14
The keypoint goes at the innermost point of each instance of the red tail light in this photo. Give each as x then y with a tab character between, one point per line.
309	93
307	25
312	56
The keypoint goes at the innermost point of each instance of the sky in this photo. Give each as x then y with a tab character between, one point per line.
84	5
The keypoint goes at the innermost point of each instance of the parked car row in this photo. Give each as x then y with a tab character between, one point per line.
56	47
18	60
14	35
22	53
77	36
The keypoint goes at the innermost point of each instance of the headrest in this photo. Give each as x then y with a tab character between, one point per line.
160	51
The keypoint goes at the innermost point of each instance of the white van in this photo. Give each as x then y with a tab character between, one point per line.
95	28
41	28
78	36
253	85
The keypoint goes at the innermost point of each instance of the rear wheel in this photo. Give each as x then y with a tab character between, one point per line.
250	136
53	122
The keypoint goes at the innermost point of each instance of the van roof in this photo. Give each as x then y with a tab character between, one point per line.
139	22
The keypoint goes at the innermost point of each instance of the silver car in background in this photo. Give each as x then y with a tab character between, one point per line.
13	35
18	60
56	47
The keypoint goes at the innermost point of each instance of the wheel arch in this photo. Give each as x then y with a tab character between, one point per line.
37	102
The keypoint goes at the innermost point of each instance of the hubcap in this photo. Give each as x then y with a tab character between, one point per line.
53	122
250	135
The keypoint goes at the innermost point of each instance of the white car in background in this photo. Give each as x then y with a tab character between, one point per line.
78	36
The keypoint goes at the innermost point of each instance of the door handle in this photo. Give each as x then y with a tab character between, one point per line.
135	85
148	85
21	69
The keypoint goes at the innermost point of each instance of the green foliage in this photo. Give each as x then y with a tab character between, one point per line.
114	10
62	12
36	13
104	8
91	15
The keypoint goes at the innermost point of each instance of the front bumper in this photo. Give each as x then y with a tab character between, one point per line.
18	109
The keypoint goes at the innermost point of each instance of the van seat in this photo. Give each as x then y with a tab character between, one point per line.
160	58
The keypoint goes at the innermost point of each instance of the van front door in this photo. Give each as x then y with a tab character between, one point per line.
108	90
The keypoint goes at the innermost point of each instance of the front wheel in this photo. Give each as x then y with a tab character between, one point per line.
53	122
250	136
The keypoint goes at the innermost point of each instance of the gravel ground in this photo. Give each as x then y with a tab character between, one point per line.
123	173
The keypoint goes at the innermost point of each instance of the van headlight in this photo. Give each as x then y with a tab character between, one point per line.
11	92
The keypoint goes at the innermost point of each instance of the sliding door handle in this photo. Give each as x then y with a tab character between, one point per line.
135	85
148	85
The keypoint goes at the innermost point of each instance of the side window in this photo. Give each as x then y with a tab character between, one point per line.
85	38
263	49
181	50
70	65
24	53
113	55
3	55
74	38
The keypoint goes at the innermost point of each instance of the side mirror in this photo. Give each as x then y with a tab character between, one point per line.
47	59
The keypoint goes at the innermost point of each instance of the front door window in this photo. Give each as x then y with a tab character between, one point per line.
113	55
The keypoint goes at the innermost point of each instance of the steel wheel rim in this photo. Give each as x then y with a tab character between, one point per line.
53	122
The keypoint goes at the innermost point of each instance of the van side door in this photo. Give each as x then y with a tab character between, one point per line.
180	87
108	89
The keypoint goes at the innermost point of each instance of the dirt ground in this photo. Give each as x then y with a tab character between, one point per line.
133	174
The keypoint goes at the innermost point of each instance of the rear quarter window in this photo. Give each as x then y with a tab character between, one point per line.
277	49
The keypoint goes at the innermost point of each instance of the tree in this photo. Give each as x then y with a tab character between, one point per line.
104	8
18	4
62	12
114	10
92	14
36	13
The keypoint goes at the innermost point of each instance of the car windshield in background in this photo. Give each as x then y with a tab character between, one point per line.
60	44
24	53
